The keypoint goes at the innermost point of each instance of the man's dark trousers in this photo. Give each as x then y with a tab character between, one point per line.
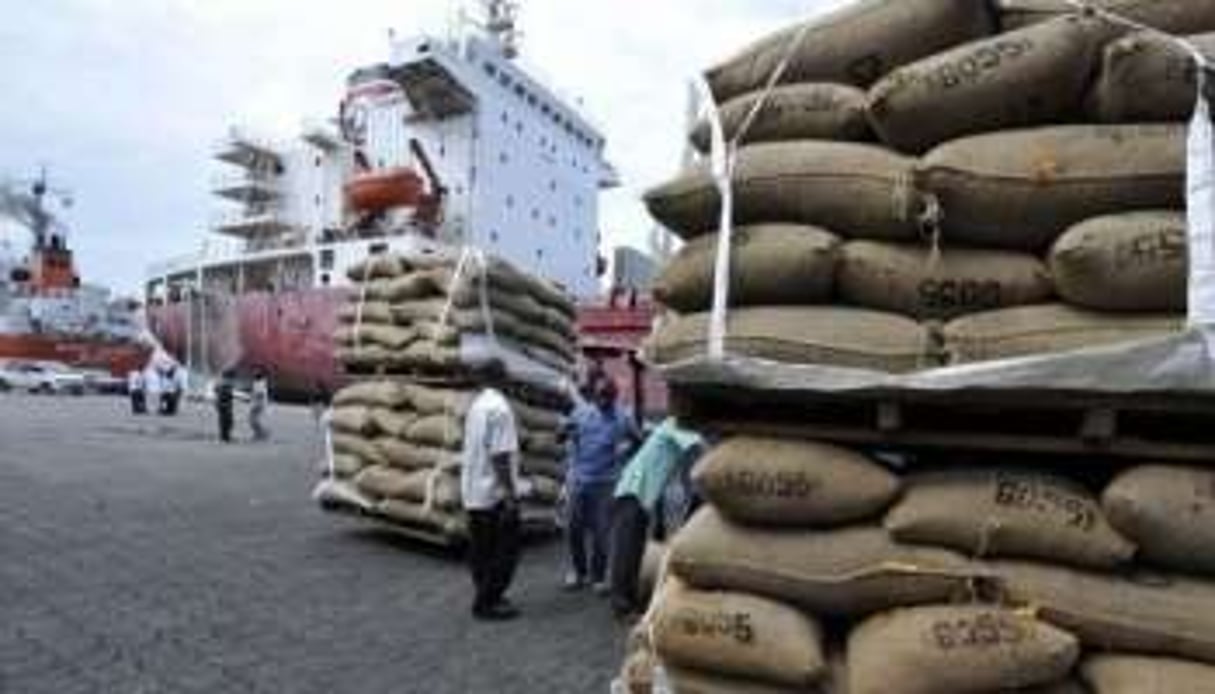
493	553
630	524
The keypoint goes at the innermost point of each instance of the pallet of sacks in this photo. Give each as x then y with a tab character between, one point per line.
938	183
414	335
816	568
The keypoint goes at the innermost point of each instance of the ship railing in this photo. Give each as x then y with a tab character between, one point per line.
242	148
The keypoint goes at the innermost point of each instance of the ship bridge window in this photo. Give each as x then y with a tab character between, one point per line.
490	69
504	80
519	90
327	259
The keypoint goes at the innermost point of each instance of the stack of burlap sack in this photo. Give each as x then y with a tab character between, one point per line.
398	429
926	186
815	568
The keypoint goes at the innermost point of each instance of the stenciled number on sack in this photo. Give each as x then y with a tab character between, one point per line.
981	631
950	295
780	485
1032	495
735	626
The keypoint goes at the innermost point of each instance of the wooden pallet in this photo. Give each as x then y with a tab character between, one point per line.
1085	426
536	526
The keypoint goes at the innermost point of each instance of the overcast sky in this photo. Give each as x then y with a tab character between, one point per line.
124	99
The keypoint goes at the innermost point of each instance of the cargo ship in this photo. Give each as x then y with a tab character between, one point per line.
46	312
449	141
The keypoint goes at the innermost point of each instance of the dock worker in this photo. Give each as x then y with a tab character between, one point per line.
489	487
225	395
139	403
670	450
259	400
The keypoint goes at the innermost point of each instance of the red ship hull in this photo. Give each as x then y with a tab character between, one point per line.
290	336
119	358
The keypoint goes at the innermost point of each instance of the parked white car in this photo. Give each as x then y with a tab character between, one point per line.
41	377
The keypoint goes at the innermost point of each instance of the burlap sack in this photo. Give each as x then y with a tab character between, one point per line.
1169	511
347	466
388	394
740	635
538	465
686	681
1021	189
362	448
502	278
380	266
1136	261
792	483
1174	16
393	423
354	420
1166	615
416	285
384	482
433	400
1006	512
829	335
860	190
971	648
1050	328
917	281
818	111
366	312
1130	674
371	356
543	443
447	523
769	264
1033	76
532	417
387	336
409	456
856	44
1147	78
440	431
850	571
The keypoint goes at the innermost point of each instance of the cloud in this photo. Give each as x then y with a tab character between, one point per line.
124	100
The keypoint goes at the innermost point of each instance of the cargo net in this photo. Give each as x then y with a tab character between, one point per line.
413	339
916	196
908	197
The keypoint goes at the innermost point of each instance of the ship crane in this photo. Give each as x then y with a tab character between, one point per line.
50	264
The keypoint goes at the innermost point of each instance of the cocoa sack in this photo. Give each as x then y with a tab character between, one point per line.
1173	16
819	111
828	335
1136	261
347	466
1021	189
972	648
1169	511
1146	78
409	456
447	523
1157	614
1046	329
393	423
387	394
1008	513
928	285
861	190
765	481
738	634
428	400
380	266
362	448
440	431
354	420
856	44
1131	674
769	264
366	312
849	571
387	336
1033	76
686	681
384	482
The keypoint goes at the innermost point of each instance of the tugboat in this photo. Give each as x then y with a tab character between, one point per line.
46	312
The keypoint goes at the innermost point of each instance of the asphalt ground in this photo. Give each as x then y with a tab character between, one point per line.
141	555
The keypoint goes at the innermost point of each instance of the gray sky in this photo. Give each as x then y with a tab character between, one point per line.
124	99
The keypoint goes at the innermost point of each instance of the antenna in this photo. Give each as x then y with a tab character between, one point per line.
501	23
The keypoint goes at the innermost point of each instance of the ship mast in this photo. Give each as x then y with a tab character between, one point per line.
501	23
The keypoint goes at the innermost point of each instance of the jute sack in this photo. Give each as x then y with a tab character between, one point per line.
938	285
370	356
388	394
531	464
384	482
432	400
856	44
769	264
862	190
408	456
440	488
1147	78
1173	16
686	681
1131	674
358	446
817	111
971	648
447	523
380	266
1169	511
1166	615
391	422
829	335
387	336
347	466
1008	513
764	481
440	431
1136	261
367	312
850	571
354	420
1050	328
1033	76
738	634
1021	189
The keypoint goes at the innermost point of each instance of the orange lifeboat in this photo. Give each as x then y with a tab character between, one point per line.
377	191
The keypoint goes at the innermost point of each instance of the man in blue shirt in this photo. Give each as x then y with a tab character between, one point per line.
601	436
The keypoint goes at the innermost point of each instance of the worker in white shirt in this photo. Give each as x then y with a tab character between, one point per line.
489	485
135	389
259	400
